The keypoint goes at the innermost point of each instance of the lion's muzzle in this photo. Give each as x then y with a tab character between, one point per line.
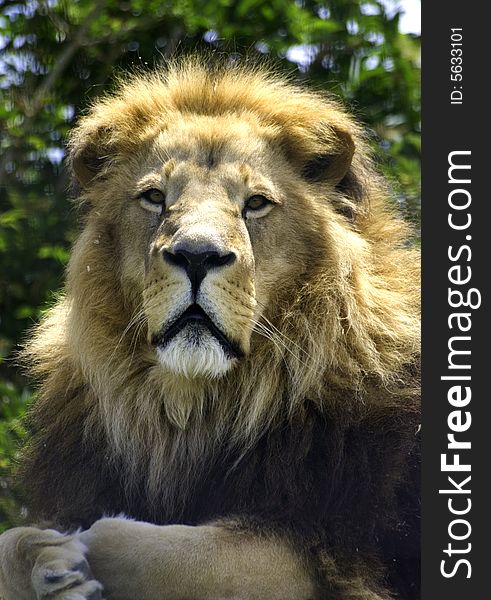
199	293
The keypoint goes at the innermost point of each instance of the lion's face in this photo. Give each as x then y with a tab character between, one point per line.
211	233
237	219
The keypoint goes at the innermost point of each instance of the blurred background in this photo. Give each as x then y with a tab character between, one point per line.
56	55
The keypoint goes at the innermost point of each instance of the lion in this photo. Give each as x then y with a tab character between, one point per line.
228	402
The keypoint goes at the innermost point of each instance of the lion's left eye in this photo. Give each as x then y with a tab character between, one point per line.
257	205
152	200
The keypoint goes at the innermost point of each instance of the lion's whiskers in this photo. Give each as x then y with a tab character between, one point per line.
262	329
138	320
280	333
269	335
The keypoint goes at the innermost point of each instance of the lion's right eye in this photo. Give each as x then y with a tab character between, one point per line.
152	200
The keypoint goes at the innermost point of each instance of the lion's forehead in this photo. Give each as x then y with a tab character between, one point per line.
208	142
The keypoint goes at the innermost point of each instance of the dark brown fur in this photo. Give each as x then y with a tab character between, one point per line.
344	486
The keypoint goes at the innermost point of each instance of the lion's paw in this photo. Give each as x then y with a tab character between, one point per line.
59	579
61	572
44	564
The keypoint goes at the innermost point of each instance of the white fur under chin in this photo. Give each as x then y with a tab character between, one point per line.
190	358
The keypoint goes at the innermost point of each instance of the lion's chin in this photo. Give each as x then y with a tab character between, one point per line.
195	356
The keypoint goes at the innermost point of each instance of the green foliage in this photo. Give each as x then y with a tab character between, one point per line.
13	402
58	54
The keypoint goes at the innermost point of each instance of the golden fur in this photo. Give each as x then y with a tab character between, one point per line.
344	319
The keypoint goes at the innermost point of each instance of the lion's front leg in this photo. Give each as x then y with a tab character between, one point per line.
136	560
38	564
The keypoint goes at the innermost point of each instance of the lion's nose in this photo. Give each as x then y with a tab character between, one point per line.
197	261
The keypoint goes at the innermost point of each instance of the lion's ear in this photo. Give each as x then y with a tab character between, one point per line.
86	164
89	153
331	159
